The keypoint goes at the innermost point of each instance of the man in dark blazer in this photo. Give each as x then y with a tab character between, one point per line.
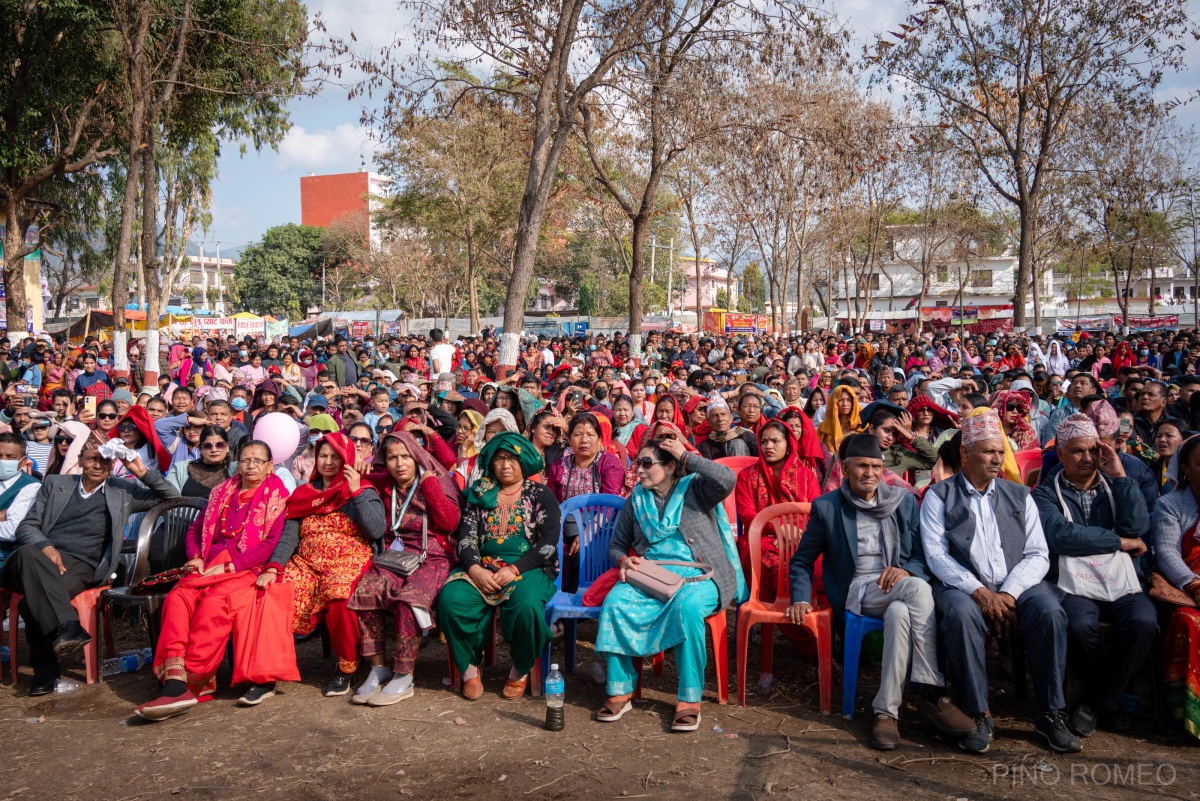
69	541
869	535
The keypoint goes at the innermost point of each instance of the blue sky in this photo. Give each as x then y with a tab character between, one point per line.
260	190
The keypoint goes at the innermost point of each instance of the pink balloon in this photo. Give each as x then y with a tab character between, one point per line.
280	432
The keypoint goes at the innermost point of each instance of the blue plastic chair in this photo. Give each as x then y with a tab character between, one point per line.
596	520
857	628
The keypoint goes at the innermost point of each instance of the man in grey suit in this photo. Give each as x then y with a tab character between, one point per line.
69	541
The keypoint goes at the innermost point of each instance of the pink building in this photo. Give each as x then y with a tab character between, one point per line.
712	280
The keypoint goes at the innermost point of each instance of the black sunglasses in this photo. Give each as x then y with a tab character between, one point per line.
1012	407
646	462
106	416
63	438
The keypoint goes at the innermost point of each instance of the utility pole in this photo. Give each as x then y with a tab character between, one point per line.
671	282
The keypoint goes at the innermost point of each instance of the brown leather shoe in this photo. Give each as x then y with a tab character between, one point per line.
948	718
884	734
515	688
472	688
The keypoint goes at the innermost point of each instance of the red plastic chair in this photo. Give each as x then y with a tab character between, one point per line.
737	464
87	604
1028	461
719	634
783	517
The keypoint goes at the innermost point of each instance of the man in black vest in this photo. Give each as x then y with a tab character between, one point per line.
68	542
984	544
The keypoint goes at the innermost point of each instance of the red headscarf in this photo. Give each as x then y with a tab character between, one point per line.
1122	356
942	418
788	485
677	418
140	418
809	445
312	500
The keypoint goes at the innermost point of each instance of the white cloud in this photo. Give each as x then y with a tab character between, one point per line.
346	146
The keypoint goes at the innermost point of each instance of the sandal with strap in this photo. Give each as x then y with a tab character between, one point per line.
686	720
613	710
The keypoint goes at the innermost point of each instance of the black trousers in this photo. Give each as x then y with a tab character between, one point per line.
47	601
1105	662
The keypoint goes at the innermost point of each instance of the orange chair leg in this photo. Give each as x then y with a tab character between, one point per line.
743	653
821	628
85	606
657	663
767	632
717	627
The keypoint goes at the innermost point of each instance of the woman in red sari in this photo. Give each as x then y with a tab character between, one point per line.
332	522
227	548
781	476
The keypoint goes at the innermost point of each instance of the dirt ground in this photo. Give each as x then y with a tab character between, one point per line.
436	745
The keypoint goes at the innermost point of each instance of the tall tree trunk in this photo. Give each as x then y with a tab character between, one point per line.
1028	229
14	265
152	271
637	274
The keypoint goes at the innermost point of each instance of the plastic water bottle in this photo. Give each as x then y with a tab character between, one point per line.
555	693
65	686
124	662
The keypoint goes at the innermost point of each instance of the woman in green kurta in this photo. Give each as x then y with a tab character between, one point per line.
508	555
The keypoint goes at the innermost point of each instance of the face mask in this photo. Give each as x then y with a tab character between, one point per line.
1144	352
238	404
102	362
601	394
313	439
243	353
708	386
9	468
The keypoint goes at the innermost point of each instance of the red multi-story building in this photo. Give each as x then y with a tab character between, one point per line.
346	198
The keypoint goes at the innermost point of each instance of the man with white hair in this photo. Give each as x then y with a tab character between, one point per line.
984	544
1095	519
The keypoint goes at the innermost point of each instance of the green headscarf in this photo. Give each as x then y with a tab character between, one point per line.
485	491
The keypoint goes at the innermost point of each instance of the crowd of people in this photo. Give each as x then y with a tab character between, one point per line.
993	489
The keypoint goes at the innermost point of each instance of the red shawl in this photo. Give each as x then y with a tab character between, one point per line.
760	486
141	418
383	482
1122	356
942	418
227	517
312	500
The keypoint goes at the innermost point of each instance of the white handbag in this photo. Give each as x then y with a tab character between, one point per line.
1101	576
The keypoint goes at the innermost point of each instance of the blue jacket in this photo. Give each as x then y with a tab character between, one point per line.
833	533
1135	468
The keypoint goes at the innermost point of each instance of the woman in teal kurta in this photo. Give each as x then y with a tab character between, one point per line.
508	554
675	513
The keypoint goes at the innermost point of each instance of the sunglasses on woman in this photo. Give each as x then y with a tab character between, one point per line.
646	462
1012	407
362	441
106	416
62	439
214	446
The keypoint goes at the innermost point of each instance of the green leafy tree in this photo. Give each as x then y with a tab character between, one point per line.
754	289
59	98
281	275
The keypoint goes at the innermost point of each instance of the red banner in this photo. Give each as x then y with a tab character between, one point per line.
1148	323
360	328
741	323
